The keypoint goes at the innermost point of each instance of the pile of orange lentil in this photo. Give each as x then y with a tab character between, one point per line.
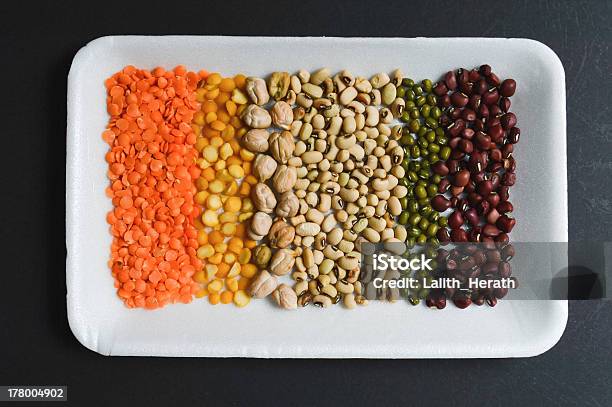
179	185
152	172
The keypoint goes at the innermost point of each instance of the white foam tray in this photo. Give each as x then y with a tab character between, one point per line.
98	318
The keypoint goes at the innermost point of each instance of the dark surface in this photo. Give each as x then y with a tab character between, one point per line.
38	43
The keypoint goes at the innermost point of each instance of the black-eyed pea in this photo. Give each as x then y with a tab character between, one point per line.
362	202
314	186
304	100
371	234
324	279
363	85
318	256
329	223
312	174
361	300
299	276
311	198
359	175
381	208
349	262
341	215
299	265
295	162
345	246
349	301
343	155
387	234
332	253
318	122
300	287
395	246
334	237
333	279
301	194
337	203
312	90
376	223
349	125
367	211
324	176
385	163
329	290
322	301
303	75
320	146
360	225
372	116
349	195
313	287
333	151
310	113
302	184
304	299
324	203
352	183
318	76
305	131
323	165
388	93
352	208
361	135
378	152
394	206
399	191
357	152
344	287
319	241
347	95
307	241
372	199
383	195
307	229
398	171
296	220
322	105
346	112
313	272
353	275
375	97
350	222
330	187
400	233
308	257
379	80
326	266
359	125
397	108
335	166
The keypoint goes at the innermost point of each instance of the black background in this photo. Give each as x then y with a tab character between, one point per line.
38	42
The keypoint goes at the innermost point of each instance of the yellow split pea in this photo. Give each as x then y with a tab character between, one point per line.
223	191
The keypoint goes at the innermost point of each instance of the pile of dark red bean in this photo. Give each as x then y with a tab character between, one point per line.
481	132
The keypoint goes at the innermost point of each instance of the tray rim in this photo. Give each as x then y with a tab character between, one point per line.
103	41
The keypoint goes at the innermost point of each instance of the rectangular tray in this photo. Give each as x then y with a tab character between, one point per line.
99	319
